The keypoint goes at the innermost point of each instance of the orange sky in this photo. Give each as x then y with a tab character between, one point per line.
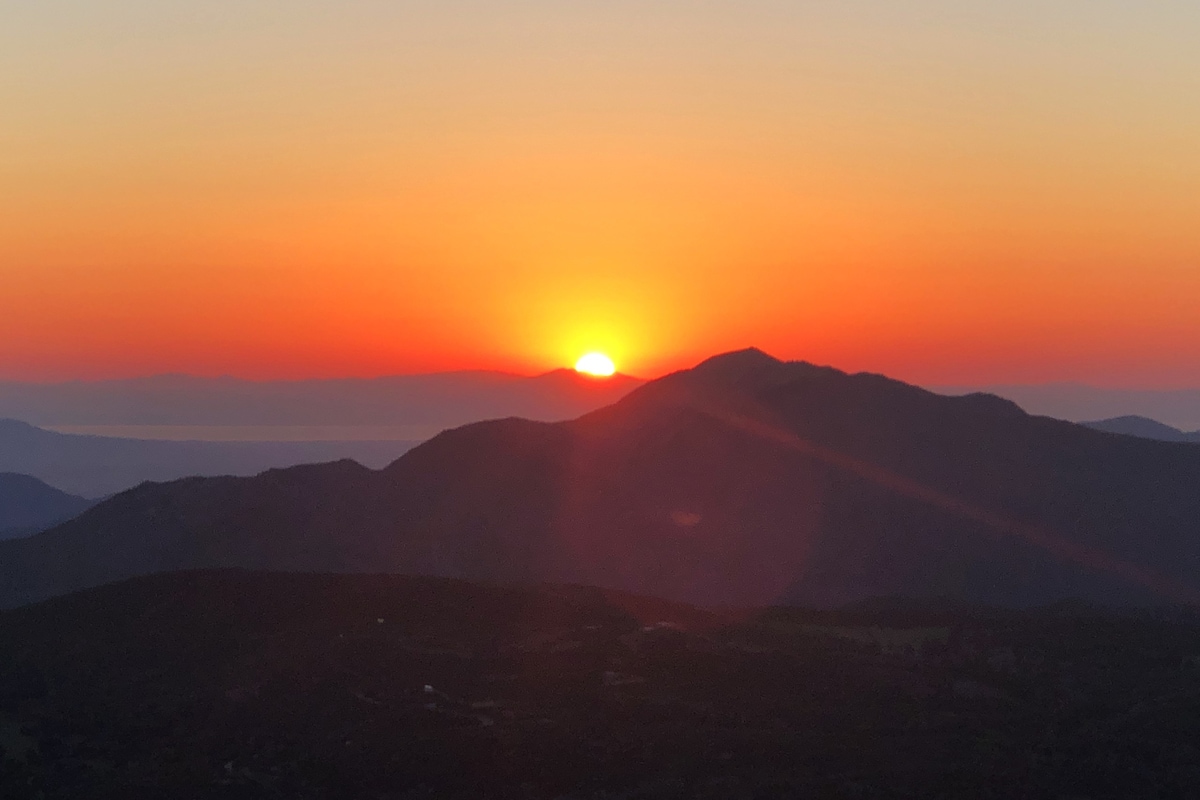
945	192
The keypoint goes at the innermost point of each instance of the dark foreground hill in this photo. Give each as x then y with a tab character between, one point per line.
28	505
743	481
239	685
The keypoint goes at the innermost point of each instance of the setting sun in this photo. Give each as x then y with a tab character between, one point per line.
596	364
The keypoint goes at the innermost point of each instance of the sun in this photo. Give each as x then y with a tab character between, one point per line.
595	364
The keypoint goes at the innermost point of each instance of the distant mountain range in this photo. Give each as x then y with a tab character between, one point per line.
28	505
95	466
1179	408
439	400
115	434
1145	428
742	481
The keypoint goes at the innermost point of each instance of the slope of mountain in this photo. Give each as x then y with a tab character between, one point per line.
1179	408
28	505
100	465
743	481
1144	428
440	399
246	685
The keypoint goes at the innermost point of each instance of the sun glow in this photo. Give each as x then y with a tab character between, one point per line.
596	364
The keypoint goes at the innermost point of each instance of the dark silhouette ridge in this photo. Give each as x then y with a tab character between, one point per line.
28	505
744	481
1144	428
1179	408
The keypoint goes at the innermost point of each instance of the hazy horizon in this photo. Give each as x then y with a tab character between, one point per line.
951	387
177	407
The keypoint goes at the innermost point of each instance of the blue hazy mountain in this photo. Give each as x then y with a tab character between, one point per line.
1133	425
95	466
28	505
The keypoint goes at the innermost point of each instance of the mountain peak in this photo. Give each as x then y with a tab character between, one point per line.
739	369
735	377
748	358
1144	428
752	370
28	504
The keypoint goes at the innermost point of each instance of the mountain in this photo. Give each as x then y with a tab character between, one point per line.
235	684
28	505
1179	408
743	481
438	400
1144	428
95	466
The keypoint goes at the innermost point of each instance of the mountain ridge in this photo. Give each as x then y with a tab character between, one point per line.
96	466
28	505
744	481
1083	403
1143	427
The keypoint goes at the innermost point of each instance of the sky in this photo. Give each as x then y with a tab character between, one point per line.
946	192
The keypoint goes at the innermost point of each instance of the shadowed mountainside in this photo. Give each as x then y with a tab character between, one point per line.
1144	428
28	505
743	481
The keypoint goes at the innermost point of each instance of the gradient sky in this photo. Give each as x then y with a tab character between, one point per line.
948	192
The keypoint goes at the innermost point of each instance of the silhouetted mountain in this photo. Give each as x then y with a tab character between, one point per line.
1075	402
742	481
28	505
1144	428
438	400
100	465
246	685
